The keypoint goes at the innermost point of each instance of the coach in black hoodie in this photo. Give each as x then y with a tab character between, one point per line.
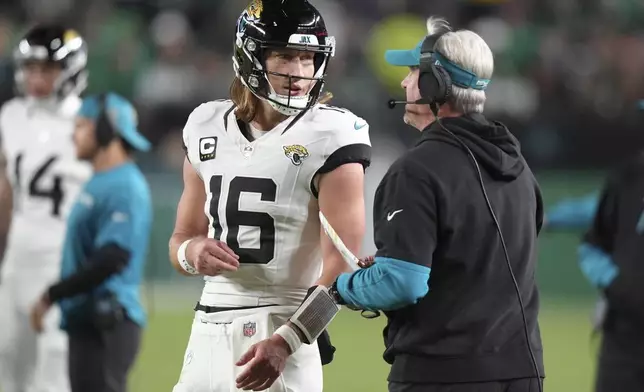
440	272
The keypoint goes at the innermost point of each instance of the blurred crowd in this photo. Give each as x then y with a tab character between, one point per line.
567	81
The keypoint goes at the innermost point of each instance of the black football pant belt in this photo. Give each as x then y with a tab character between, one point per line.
216	309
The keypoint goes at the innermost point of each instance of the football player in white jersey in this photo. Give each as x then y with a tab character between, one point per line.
259	168
41	180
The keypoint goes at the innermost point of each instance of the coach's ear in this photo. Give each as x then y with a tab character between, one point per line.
327	350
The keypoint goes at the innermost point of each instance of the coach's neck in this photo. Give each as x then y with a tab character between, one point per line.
421	122
111	156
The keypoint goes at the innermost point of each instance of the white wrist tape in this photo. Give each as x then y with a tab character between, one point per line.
183	262
291	337
315	314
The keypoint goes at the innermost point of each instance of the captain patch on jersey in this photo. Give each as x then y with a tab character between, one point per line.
207	148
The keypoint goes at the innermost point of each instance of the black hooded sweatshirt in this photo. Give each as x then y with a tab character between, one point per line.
469	326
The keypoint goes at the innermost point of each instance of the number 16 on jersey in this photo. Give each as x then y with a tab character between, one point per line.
267	189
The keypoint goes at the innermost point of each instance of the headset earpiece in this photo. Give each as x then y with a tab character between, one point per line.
444	89
104	130
434	82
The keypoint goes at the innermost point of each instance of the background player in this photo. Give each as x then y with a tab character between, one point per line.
609	258
261	166
44	177
104	250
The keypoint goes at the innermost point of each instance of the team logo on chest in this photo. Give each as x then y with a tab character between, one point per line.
296	153
249	329
207	148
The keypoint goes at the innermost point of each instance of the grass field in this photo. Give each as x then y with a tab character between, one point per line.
358	365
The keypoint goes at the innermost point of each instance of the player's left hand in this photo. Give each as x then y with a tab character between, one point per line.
38	313
266	361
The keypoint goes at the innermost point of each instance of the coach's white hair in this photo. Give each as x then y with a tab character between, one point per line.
469	51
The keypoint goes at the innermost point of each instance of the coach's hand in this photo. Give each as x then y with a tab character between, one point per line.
266	361
211	257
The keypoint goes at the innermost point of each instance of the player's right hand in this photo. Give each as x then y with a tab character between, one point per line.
211	257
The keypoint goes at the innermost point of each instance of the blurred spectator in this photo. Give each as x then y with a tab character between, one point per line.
173	77
170	55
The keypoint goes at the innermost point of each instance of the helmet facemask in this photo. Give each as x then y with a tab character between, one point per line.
254	75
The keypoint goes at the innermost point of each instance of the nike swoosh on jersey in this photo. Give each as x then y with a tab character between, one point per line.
391	215
359	124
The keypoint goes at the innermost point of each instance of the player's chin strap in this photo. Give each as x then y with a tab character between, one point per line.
311	319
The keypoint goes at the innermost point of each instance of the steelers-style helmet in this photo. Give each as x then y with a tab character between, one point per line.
57	44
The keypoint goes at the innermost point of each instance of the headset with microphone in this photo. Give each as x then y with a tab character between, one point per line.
436	77
393	102
434	83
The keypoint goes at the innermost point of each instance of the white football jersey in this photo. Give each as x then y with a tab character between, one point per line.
261	197
45	176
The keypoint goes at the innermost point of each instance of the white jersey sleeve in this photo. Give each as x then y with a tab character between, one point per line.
199	149
8	151
5	114
346	140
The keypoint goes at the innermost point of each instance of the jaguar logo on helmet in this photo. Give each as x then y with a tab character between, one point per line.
255	9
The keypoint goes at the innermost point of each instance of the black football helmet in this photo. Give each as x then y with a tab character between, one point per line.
270	24
59	45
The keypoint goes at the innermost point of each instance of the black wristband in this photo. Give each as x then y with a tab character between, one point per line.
333	291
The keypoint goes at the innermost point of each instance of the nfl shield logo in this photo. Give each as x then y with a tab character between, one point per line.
249	329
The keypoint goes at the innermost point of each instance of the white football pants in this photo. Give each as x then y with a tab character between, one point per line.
30	362
219	339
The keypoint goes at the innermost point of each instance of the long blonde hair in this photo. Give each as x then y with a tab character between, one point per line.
247	103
